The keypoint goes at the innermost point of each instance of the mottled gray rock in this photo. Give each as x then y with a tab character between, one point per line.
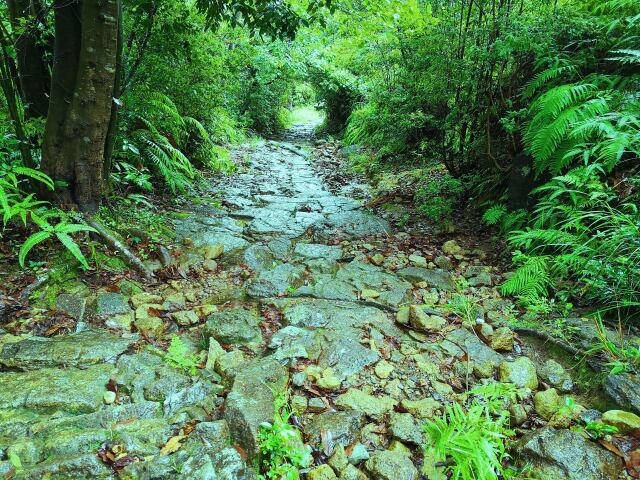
73	305
345	355
72	466
390	465
251	400
373	406
193	395
344	427
108	304
237	325
312	251
78	349
50	389
403	427
276	281
355	224
439	279
624	391
484	360
334	315
555	374
259	258
521	372
554	454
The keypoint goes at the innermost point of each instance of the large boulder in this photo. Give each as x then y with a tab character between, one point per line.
251	400
553	454
624	391
234	326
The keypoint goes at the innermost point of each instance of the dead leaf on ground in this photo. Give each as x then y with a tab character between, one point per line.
172	445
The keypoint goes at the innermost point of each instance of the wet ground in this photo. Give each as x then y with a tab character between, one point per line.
279	285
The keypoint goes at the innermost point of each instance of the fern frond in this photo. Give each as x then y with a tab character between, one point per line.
31	242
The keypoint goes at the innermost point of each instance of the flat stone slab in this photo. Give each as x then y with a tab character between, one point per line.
331	314
51	389
79	349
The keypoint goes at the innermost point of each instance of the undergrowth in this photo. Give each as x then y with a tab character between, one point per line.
282	451
469	442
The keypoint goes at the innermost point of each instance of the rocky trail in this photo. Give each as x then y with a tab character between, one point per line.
283	285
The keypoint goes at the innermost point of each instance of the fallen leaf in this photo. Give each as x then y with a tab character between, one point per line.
173	445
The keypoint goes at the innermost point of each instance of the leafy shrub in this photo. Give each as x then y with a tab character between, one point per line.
337	89
439	196
282	452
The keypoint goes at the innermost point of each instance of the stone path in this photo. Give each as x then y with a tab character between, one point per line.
280	286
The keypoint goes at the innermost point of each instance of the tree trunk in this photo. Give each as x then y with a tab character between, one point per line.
8	86
25	16
112	132
83	82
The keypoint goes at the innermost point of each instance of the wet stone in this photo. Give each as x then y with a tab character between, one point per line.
251	400
108	304
79	349
49	390
554	454
344	427
234	326
277	281
439	279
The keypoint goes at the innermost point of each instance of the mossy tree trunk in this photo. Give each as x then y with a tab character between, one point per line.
83	94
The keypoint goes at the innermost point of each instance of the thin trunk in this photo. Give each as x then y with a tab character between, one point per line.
35	81
141	48
9	88
117	91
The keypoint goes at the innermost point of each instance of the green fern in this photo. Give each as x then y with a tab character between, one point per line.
61	231
471	443
531	281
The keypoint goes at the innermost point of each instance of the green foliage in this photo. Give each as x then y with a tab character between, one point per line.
179	356
620	357
282	452
18	206
582	126
599	430
337	89
531	280
465	307
437	198
470	442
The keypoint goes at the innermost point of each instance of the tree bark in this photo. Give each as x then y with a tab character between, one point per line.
112	132
35	81
83	82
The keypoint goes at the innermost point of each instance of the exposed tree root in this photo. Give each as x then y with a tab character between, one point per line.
121	248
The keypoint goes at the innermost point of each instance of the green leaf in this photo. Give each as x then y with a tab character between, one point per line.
73	228
73	247
31	242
